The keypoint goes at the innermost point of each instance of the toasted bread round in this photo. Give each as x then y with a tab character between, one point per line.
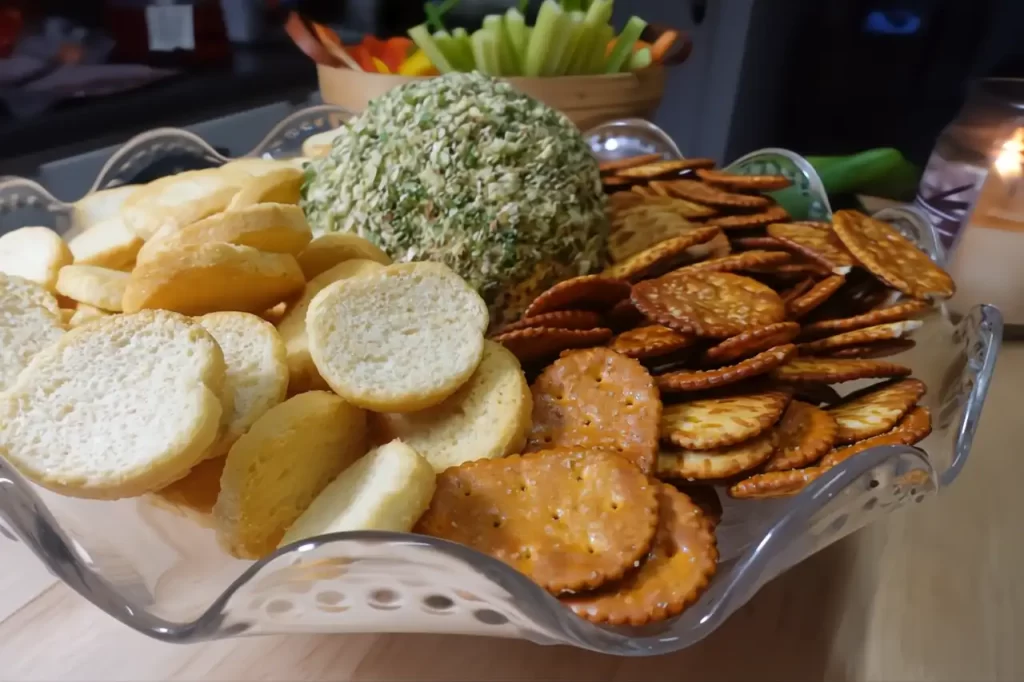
488	417
275	471
327	250
388	489
319	145
398	340
117	408
292	327
257	372
206	278
198	490
34	253
96	207
256	167
108	244
280	186
83	313
179	200
102	288
276	228
30	320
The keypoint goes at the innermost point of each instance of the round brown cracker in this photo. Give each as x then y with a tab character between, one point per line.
705	497
586	292
744	260
894	313
816	394
802	437
711	304
650	341
558	319
694	380
534	344
758	243
661	256
772	214
678	568
775	483
650	197
744	183
628	162
819	244
570	519
891	257
703	193
836	370
860	337
878	349
663	168
614	181
718	422
814	297
875	410
702	465
914	427
797	290
624	315
751	342
597	398
642	227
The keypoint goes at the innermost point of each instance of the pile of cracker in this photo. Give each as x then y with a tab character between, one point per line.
743	322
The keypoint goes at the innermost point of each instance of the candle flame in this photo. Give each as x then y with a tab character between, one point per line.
1010	160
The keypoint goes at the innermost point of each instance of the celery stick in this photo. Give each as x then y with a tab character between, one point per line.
550	23
597	16
515	29
640	59
572	5
460	41
506	53
624	44
421	36
447	46
574	34
596	59
485	51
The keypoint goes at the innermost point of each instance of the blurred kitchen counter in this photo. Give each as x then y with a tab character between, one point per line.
256	77
934	593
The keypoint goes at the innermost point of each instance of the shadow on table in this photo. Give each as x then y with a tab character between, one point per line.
790	631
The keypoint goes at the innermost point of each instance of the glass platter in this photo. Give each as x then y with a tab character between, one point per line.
161	572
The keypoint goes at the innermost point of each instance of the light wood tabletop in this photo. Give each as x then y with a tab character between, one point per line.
934	593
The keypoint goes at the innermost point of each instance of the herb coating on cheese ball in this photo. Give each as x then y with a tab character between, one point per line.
466	170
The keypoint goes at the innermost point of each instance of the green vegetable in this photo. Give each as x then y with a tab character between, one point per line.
624	44
421	36
597	59
640	59
547	34
515	29
574	34
506	52
485	52
461	44
598	15
435	13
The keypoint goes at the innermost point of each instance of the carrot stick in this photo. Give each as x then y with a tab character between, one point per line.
662	45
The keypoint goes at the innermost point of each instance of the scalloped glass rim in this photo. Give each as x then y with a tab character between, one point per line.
760	539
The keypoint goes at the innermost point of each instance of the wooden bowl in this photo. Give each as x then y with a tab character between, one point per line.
586	100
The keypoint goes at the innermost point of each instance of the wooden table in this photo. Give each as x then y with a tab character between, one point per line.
935	593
